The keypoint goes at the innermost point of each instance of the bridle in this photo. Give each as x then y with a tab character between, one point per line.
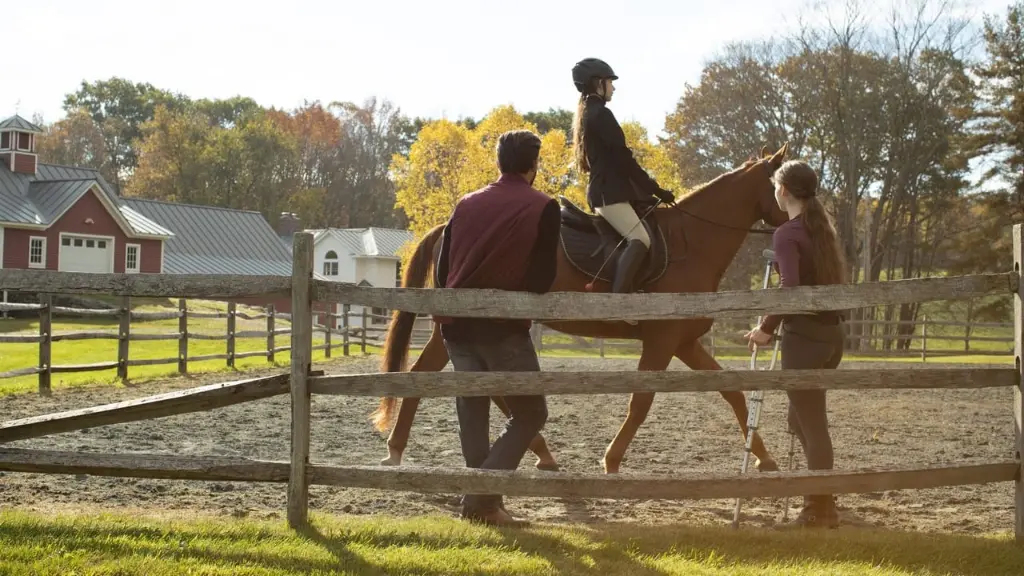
719	224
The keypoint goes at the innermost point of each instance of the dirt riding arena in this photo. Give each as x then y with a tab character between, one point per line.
685	432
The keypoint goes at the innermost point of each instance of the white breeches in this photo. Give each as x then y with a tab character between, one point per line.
623	218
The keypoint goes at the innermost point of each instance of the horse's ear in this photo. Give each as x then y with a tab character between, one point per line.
764	151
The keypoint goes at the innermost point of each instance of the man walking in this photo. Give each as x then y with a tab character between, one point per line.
503	236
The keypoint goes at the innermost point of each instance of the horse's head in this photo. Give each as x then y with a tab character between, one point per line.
760	171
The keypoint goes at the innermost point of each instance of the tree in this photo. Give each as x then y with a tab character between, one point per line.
120	108
553	119
443	165
361	188
75	140
186	156
1000	131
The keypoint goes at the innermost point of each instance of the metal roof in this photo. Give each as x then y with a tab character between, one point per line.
52	199
143	224
212	240
18	123
41	198
379	242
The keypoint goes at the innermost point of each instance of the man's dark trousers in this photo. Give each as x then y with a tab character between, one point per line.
512	353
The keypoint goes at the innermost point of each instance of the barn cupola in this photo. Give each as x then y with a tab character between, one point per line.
18	145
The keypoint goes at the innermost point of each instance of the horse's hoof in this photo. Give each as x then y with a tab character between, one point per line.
767	466
391	461
547	466
610	467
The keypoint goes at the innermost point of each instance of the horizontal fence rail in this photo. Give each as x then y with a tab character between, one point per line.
663	306
207	286
445	384
693	486
170	404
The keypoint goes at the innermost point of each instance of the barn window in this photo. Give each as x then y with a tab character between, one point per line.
131	258
5	141
331	263
37	252
24	141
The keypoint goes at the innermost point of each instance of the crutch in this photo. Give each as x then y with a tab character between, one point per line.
757	397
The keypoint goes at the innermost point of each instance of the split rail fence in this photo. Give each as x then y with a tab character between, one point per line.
302	382
344	337
725	340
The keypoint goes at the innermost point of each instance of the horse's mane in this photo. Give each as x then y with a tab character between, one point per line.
701	188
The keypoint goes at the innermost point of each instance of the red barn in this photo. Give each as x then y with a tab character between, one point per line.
68	219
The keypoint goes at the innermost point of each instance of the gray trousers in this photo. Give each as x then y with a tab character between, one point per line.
528	414
809	345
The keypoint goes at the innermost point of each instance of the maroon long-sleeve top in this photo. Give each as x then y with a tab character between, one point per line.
792	246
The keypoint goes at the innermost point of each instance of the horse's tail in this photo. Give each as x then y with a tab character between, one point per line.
396	345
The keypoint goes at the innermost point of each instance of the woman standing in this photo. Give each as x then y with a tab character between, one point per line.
807	252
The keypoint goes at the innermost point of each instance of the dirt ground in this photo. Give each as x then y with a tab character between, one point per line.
684	432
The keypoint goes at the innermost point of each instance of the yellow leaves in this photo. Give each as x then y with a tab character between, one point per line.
448	161
555	157
653	158
444	164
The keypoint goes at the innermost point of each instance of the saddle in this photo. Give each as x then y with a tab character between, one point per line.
590	242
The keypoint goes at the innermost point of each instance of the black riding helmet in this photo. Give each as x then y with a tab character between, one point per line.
589	68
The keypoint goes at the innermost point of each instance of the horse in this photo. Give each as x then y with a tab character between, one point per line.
693	241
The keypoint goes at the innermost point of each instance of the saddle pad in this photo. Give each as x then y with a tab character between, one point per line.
585	252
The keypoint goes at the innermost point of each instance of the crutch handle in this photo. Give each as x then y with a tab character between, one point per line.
768	254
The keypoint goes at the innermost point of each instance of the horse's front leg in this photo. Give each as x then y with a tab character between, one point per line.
656	355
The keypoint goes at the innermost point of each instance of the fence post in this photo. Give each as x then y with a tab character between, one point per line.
270	332
231	334
967	327
1018	394
345	309
924	338
122	344
183	333
45	340
332	319
362	343
301	360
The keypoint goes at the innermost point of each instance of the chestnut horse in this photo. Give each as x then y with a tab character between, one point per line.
703	233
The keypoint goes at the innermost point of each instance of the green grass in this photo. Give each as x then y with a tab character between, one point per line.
122	544
14	356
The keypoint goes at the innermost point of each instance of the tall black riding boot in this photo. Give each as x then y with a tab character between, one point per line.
628	267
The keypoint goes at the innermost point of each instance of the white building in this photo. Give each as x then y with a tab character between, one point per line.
363	256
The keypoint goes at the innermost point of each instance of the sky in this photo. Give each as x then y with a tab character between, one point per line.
433	58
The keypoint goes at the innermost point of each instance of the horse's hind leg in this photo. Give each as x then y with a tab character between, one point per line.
433	358
696	357
545	460
656	355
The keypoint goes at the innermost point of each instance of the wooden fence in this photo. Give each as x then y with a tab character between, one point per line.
725	339
300	472
348	336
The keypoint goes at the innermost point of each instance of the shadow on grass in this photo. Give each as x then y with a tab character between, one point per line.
438	545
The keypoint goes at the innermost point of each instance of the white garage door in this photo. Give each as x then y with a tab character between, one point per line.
84	254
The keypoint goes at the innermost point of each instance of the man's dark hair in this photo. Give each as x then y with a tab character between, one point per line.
517	151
